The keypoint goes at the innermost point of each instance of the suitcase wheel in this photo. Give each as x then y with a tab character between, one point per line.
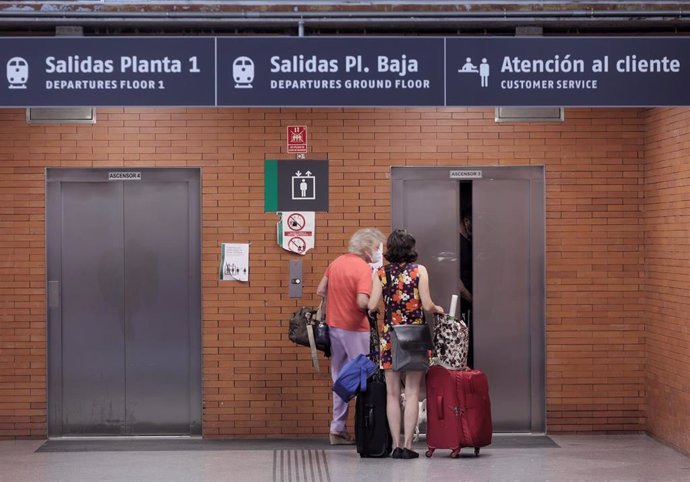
429	453
455	454
476	451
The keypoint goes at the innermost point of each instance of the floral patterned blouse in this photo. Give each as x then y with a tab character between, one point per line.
400	283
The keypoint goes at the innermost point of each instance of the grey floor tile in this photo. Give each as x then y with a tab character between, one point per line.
591	458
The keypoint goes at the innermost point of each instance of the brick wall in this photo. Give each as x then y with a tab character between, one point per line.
666	293
255	382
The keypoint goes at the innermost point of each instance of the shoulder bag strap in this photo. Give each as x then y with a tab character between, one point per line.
312	347
320	310
312	339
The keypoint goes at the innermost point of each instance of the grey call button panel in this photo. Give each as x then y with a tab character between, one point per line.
295	281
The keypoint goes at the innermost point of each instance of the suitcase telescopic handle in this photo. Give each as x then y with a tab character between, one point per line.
374	346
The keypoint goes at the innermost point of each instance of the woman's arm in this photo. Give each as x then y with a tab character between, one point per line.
362	301
424	294
375	297
322	289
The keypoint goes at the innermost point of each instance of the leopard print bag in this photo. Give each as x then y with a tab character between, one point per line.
451	342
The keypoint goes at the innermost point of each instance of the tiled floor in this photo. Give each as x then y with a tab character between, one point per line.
614	457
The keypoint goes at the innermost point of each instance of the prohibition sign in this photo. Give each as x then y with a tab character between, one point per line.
296	221
297	245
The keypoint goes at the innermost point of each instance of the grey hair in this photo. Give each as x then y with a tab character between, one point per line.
365	240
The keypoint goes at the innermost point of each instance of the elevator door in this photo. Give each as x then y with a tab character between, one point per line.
502	254
425	203
508	274
124	302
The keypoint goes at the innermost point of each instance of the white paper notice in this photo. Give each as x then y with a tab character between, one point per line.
296	231
234	262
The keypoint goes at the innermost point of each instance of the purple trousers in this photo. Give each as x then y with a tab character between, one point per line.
345	345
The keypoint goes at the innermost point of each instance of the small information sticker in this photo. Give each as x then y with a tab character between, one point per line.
296	139
124	176
466	174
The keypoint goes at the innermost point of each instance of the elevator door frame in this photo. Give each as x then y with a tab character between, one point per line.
54	179
537	319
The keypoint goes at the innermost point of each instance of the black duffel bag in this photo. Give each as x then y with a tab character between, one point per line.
307	328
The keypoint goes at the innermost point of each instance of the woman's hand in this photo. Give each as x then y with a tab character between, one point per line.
438	310
374	312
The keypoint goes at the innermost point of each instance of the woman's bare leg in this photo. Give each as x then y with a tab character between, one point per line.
393	405
413	383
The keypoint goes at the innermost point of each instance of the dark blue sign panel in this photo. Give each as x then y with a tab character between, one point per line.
108	71
567	71
330	71
303	185
344	71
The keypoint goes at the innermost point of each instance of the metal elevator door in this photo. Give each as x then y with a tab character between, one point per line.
124	302
430	212
502	297
508	274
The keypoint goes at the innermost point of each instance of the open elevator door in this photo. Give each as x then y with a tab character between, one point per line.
507	208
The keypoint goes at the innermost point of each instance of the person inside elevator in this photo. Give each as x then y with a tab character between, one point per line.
466	272
404	285
347	284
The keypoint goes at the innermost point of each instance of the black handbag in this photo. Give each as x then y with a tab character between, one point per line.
307	328
410	345
413	337
297	330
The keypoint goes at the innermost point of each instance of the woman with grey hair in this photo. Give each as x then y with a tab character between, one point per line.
347	282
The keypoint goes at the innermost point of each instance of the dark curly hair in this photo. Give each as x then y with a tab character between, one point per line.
400	247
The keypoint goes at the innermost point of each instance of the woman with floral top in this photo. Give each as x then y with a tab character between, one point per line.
405	289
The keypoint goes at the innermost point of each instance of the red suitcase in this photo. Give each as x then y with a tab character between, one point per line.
458	410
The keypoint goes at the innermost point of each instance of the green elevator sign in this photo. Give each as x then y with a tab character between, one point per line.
295	186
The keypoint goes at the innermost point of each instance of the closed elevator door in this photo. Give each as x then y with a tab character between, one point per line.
507	315
124	302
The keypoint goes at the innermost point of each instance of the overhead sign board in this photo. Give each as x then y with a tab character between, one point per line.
567	71
105	71
344	71
330	71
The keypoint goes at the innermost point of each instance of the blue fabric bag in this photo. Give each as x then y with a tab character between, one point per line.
353	377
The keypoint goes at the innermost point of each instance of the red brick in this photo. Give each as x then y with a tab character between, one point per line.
598	235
